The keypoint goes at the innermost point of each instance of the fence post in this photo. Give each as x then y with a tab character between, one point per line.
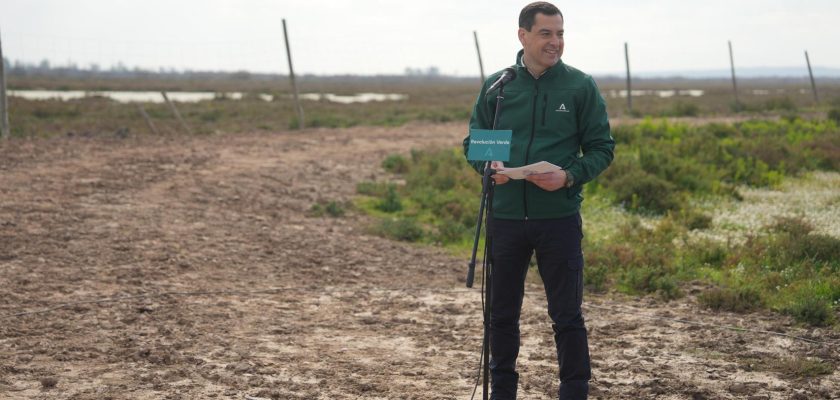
175	111
734	81
148	120
629	89
478	51
301	122
811	74
4	110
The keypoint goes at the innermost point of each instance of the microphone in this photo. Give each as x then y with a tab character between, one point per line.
508	75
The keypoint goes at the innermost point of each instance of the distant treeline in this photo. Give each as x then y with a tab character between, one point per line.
18	68
120	70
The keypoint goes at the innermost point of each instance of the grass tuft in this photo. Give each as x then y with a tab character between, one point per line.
741	299
330	208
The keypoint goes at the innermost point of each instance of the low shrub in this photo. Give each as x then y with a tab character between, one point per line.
705	253
683	109
331	208
714	158
641	191
795	241
794	270
396	164
371	188
449	231
211	115
440	190
825	151
639	247
391	201
794	226
683	172
658	280
737	106
595	277
800	367
402	229
47	112
815	247
334	209
741	299
811	310
693	219
778	104
834	115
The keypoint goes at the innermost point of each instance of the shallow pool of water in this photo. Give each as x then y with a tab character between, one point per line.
121	96
192	97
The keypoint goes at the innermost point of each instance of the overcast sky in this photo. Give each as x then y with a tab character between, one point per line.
386	37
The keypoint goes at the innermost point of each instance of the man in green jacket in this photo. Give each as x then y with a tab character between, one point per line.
557	115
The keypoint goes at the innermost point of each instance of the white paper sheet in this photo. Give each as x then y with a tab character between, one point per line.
530	169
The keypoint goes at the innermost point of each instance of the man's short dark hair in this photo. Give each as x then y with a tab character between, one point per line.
529	13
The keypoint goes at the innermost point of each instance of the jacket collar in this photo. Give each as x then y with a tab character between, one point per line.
520	65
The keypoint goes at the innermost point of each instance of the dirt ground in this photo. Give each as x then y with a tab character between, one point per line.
218	285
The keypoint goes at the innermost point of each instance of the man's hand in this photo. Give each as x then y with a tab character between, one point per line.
549	181
498	178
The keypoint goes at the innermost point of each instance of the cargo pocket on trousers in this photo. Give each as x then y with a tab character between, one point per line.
576	273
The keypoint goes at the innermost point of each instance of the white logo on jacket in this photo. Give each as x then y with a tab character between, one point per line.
562	108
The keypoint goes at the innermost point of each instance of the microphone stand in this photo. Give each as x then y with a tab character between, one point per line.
487	189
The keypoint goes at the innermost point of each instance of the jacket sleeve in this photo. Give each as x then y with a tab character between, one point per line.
481	119
596	142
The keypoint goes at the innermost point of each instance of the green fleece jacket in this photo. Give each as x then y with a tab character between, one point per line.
560	118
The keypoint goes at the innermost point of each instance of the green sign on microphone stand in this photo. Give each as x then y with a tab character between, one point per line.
488	145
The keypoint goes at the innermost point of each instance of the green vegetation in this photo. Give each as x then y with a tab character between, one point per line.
834	115
648	202
660	165
790	367
331	208
437	204
403	229
682	108
391	202
741	299
648	243
789	269
429	99
433	102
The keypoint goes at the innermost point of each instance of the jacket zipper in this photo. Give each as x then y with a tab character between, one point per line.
545	104
528	149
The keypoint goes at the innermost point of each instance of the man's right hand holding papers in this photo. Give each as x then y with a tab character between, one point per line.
544	174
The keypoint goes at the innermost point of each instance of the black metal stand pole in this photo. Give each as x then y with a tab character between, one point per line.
486	191
488	298
487	186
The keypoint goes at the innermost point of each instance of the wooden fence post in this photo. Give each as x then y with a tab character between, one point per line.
811	74
4	105
148	120
734	81
177	114
301	122
478	51
629	88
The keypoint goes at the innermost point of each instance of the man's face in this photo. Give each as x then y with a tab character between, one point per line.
544	43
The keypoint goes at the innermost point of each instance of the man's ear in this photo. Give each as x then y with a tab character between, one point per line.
521	34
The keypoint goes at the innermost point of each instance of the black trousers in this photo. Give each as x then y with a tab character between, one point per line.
557	243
